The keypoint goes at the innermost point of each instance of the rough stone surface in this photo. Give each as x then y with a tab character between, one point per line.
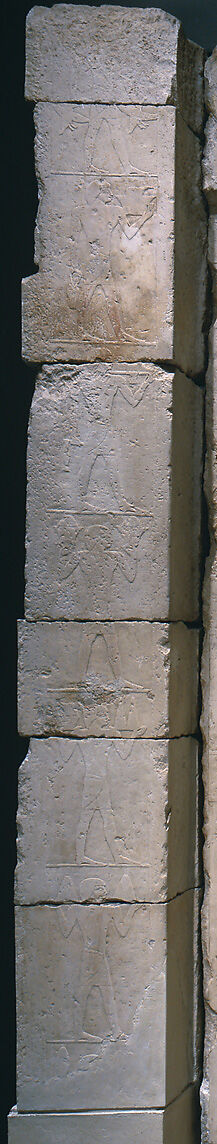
114	679
104	55
209	916
90	140
210	161
113	508
150	1127
107	878
190	254
101	819
209	662
122	267
211	423
212	256
211	83
92	983
103	236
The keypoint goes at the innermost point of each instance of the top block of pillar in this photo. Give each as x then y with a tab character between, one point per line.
120	239
110	54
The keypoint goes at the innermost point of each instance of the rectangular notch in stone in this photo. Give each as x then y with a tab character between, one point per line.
112	679
113	508
102	819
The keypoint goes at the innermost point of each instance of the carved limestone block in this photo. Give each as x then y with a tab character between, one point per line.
121	225
112	55
107	881
103	234
113	507
104	989
103	819
111	679
154	1126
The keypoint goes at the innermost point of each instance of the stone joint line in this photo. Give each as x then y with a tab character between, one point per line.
114	646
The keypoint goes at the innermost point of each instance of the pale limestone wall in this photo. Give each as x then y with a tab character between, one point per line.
108	880
209	678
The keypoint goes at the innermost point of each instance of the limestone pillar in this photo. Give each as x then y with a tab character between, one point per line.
209	676
107	882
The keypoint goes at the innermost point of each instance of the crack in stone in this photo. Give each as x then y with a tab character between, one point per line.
105	902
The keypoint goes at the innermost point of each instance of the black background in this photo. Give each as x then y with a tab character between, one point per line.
18	209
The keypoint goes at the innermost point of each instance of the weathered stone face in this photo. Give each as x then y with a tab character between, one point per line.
149	1127
112	824
107	880
113	508
110	284
121	679
210	84
121	263
112	55
103	234
96	1028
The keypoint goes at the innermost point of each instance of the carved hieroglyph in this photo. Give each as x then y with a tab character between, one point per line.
107	679
107	882
121	262
112	825
98	1004
113	508
209	673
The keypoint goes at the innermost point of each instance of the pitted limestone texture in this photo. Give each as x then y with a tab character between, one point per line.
108	872
112	679
120	240
114	508
111	55
149	1127
112	825
99	1024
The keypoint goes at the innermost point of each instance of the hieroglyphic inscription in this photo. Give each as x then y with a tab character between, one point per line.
98	499
99	1023
120	679
104	228
113	510
111	822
